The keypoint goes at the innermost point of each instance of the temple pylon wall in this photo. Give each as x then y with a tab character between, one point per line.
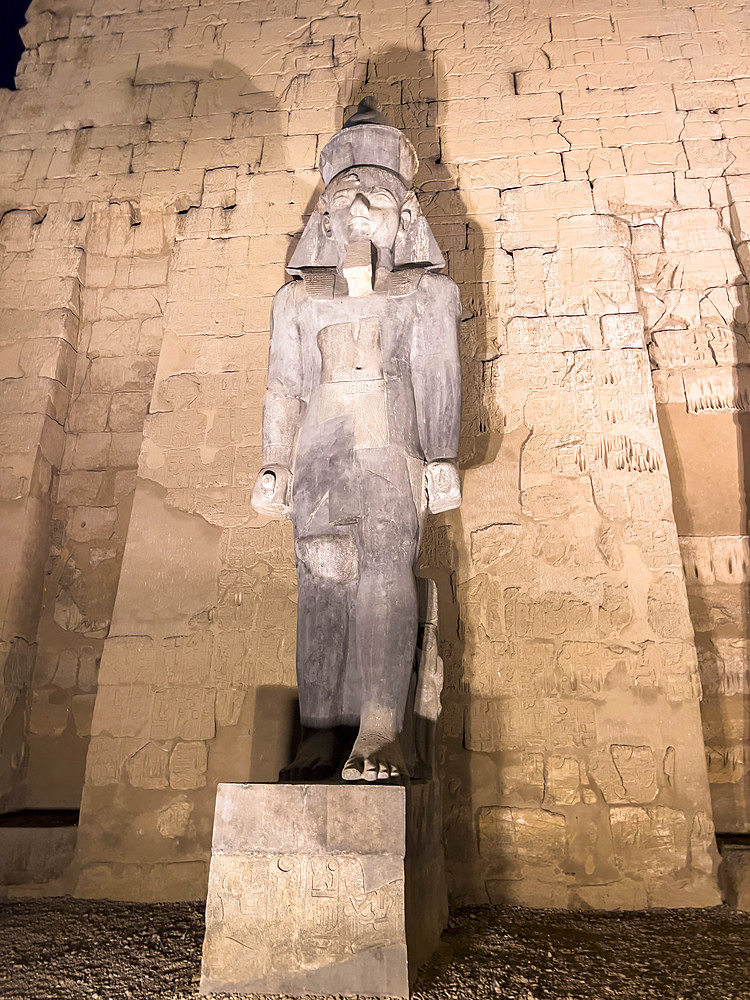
587	174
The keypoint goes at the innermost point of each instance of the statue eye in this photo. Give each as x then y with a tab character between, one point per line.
383	199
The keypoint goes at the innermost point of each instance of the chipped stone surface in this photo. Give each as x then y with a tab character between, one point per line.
309	890
588	179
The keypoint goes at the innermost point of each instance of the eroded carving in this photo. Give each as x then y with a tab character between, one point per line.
289	912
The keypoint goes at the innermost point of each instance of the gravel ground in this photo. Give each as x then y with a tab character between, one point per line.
83	950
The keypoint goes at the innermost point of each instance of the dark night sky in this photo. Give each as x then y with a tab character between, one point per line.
12	17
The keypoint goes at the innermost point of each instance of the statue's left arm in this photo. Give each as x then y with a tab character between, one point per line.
436	379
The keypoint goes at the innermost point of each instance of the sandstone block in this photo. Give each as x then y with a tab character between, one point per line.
113	374
593	104
91	450
171	100
737	220
655	157
736	876
733	121
187	765
538	81
148	766
690	192
540	168
642	129
694	229
702	124
50	712
579	232
590	26
636	25
35	854
709	95
222	152
125	448
125	482
82	707
127	413
109	337
623	330
88	523
177	880
310	887
639	194
280	152
80	488
581	133
157	156
131	303
564	198
593	163
530	836
708	157
48	357
150	336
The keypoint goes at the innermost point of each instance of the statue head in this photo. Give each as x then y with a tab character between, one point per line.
369	203
368	168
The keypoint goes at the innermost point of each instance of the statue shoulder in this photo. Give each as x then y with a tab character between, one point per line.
286	294
285	301
441	289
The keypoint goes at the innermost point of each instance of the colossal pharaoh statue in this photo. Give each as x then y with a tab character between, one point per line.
360	436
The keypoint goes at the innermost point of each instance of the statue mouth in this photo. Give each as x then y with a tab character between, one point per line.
360	226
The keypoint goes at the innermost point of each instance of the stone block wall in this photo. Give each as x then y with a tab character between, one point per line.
40	293
127	257
700	355
585	170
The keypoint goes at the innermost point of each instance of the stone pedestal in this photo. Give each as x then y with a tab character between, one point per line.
323	889
734	874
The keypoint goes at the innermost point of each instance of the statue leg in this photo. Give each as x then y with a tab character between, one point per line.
386	622
326	567
322	638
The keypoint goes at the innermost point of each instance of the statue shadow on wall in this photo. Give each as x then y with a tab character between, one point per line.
273	718
411	90
407	85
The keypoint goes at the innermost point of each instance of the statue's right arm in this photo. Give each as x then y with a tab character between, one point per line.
282	407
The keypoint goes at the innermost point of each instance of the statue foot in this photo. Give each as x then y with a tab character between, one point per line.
375	756
317	759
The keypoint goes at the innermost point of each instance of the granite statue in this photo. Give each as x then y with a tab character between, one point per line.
360	435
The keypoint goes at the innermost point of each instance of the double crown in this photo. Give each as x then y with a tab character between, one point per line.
367	140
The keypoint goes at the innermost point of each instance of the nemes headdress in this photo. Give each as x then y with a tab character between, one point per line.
367	140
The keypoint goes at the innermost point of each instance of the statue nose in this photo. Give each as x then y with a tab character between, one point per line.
360	205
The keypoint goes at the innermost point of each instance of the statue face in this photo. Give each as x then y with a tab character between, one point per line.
366	203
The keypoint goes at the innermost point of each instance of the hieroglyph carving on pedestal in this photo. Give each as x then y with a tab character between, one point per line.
360	436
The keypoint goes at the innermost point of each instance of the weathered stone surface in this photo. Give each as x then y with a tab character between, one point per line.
135	244
322	889
30	854
735	872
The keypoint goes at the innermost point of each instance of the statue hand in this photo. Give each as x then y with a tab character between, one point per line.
443	485
272	491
